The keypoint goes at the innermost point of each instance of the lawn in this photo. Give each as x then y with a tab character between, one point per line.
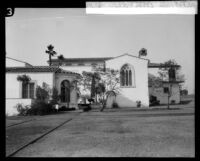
20	130
156	133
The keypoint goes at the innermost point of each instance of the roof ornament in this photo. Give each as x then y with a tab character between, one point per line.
142	52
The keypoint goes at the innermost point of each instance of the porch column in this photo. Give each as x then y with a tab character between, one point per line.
73	99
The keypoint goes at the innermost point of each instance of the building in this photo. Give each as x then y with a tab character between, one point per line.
10	62
167	90
136	88
161	93
134	82
17	92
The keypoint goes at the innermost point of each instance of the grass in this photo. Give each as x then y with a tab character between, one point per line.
157	133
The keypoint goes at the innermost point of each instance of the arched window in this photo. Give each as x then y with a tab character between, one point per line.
127	83
130	77
127	76
122	75
65	91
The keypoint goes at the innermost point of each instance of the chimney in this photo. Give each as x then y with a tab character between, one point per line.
172	74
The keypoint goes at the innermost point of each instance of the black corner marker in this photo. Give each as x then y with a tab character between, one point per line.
9	11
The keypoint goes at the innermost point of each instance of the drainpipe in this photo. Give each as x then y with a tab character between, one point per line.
104	66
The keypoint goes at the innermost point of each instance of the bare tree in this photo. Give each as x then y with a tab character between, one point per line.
108	83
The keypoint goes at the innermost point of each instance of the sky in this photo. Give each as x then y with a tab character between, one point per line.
75	34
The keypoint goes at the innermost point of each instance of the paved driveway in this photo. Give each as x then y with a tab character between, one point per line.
163	133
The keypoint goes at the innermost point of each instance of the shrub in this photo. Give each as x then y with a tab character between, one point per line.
87	109
23	110
55	96
41	108
115	105
70	109
91	100
173	101
138	103
63	108
102	101
60	57
23	78
41	94
53	102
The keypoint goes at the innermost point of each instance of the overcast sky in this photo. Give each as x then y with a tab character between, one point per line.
75	34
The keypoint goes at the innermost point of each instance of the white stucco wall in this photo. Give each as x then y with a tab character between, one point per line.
129	95
175	93
77	69
14	93
163	97
11	103
13	89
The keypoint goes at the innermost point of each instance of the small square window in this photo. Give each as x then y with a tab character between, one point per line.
166	90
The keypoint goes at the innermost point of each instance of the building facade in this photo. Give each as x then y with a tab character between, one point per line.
162	93
63	75
134	85
133	80
51	77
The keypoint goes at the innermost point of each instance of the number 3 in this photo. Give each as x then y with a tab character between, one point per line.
9	12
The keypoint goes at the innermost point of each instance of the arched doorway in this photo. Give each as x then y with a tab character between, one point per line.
65	91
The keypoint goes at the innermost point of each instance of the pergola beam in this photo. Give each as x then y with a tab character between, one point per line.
156	65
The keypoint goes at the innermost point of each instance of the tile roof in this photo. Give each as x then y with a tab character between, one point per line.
102	59
131	56
77	60
54	69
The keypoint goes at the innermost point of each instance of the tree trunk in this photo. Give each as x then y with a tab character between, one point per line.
169	94
49	59
103	104
95	97
168	102
93	87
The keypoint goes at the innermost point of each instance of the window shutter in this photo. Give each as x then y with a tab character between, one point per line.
130	78
31	90
126	78
24	90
